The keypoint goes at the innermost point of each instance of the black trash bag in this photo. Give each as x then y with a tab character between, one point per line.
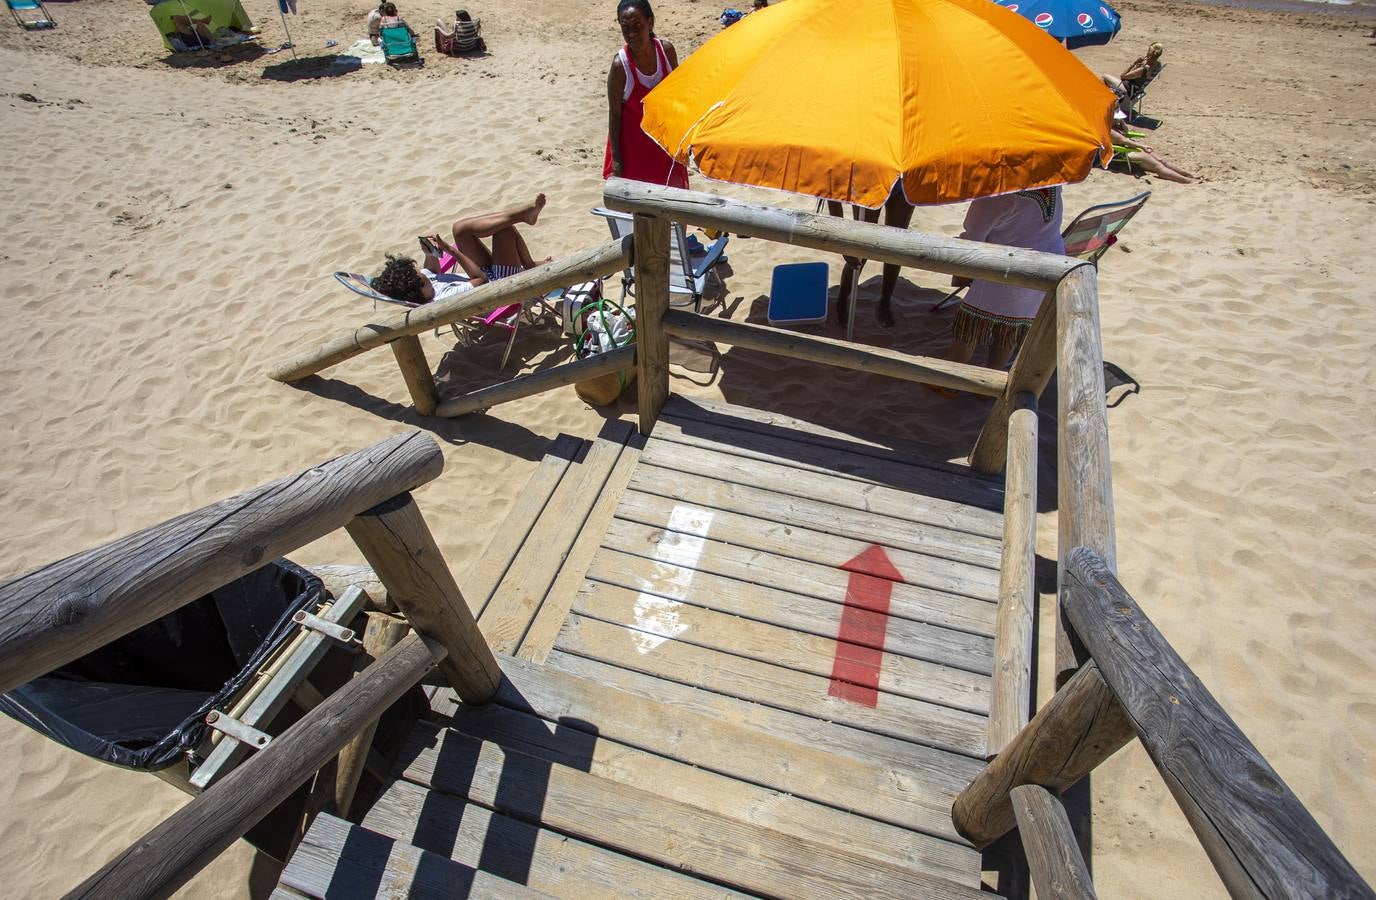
140	701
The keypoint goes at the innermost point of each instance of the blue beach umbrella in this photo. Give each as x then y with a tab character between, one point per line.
1078	23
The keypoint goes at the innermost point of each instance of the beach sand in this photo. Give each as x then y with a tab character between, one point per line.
171	226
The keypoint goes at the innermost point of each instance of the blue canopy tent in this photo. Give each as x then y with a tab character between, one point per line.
1075	23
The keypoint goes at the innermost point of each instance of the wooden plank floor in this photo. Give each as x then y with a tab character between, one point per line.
744	655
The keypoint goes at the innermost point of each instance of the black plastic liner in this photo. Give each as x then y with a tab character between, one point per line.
140	702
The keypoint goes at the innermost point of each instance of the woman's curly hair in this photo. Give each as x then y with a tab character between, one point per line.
400	280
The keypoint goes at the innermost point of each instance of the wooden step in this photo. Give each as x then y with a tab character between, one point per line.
922	722
522	852
644	824
339	859
522	586
900	676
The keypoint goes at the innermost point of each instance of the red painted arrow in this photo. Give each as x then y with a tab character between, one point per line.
864	619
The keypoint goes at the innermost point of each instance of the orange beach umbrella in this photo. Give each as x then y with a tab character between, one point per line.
841	98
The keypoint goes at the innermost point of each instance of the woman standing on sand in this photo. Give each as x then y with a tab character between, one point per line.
638	66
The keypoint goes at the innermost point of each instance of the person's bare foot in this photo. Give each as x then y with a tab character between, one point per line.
884	315
531	215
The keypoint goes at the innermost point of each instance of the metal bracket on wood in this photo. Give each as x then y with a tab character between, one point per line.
231	727
331	630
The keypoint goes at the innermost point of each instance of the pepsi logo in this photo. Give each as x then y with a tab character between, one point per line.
1085	20
1044	20
1107	15
1013	7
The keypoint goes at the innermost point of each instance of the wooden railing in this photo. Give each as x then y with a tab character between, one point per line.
1260	838
400	332
55	614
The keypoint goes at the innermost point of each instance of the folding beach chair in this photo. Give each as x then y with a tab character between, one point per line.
399	45
42	17
688	268
1087	237
1131	101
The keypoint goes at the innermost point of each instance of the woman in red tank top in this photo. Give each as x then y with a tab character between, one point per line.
637	67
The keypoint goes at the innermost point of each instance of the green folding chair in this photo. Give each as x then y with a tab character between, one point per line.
399	45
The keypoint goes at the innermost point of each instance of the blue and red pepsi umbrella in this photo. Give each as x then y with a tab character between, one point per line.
1078	23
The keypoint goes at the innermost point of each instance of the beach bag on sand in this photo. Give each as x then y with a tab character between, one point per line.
598	326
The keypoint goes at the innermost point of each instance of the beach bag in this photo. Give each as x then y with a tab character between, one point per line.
600	325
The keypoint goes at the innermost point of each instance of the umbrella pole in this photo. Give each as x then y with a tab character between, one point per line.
854	301
290	44
193	25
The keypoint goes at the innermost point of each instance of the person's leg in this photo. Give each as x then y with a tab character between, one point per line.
898	213
1153	166
1001	351
509	249
1177	169
850	272
488	224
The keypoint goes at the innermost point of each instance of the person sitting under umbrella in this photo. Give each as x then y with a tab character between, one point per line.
1000	314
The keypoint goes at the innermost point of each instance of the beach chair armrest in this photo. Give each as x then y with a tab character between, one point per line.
712	257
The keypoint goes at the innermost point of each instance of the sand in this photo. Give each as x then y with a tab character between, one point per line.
171	227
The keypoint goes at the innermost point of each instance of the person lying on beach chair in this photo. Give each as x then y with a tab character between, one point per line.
508	255
1131	153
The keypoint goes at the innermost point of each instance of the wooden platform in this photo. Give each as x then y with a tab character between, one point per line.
747	655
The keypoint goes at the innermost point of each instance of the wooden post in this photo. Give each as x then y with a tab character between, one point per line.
1258	834
415	369
1081	726
171	853
1031	370
1084	480
381	634
539	382
1012	688
1058	870
397	543
950	256
651	303
63	610
829	351
536	282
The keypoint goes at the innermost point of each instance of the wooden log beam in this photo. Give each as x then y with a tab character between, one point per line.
56	613
1011	697
1053	856
1031	370
382	633
1081	726
415	369
952	256
582	266
651	305
397	543
843	354
1084	479
171	853
539	382
1257	833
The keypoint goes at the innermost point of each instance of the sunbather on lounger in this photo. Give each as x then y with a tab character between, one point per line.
1134	154
507	256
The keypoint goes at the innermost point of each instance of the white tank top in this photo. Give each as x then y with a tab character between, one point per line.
646	81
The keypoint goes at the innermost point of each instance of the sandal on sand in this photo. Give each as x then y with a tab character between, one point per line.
945	392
